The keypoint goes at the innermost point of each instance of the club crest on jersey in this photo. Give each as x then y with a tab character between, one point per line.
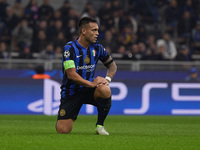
66	54
62	112
87	60
94	52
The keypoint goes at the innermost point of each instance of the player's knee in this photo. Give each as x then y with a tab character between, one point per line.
104	91
64	126
63	130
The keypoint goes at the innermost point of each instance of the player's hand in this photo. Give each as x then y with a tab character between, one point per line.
105	83
100	84
98	81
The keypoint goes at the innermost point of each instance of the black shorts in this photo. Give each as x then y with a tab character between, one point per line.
70	106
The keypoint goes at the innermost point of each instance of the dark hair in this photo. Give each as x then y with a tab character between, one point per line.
39	69
85	21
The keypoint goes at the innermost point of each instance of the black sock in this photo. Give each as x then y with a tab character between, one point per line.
103	108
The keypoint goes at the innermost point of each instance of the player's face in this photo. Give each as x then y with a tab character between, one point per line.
92	32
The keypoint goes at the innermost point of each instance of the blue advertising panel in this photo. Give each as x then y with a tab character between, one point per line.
133	93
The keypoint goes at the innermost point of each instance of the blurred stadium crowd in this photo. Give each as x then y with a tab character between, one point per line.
129	29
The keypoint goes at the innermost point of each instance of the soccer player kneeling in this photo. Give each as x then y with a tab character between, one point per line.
79	61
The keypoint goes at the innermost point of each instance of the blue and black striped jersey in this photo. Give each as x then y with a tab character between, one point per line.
85	62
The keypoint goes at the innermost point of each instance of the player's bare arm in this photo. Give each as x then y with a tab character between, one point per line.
112	67
74	76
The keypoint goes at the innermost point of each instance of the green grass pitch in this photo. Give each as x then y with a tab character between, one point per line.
37	132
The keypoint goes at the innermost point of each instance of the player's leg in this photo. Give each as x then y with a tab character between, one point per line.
64	126
68	112
102	96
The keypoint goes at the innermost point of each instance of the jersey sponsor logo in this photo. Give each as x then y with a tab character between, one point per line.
85	67
66	54
87	60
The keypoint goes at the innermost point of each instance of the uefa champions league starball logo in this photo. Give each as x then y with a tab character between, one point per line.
66	54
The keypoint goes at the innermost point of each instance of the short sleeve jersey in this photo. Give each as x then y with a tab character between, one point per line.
85	62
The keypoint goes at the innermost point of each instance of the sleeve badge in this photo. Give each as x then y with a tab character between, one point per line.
66	54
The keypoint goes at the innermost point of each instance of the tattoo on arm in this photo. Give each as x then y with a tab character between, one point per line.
112	68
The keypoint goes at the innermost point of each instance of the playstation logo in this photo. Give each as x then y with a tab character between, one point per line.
49	105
